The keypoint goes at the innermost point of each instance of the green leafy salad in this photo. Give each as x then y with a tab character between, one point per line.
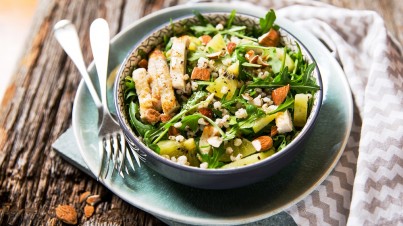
220	95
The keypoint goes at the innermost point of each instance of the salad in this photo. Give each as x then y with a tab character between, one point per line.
220	95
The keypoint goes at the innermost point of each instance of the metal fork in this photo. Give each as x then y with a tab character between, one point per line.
110	133
66	34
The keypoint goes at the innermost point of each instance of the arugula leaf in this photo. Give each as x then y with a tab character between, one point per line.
207	29
267	22
191	121
231	18
196	98
214	159
201	18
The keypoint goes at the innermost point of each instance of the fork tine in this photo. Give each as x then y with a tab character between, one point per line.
108	150
129	159
122	150
116	151
101	156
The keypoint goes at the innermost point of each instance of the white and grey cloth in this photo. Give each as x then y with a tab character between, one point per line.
366	186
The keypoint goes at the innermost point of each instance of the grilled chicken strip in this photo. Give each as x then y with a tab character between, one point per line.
161	83
178	62
143	90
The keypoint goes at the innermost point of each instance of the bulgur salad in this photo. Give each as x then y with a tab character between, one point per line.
220	95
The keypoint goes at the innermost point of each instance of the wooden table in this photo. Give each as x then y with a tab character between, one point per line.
37	108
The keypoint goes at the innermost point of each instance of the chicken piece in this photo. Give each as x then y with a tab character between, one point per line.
161	83
178	62
143	90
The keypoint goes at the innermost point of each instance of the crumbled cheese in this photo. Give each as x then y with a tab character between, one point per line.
180	138
202	62
182	160
221	71
284	122
235	158
214	74
172	137
263	75
204	165
217	105
224	89
215	141
173	159
235	40
266	99
246	96
194	86
178	124
267	109
227	61
219	27
237	142
257	101
229	150
185	77
241	113
201	121
257	145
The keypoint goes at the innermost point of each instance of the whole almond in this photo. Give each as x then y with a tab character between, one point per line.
88	211
273	131
278	95
262	143
93	200
84	196
67	214
206	112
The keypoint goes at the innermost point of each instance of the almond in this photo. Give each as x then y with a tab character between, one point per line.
231	47
206	112
249	55
67	214
273	131
173	131
88	211
205	39
93	200
278	95
84	196
270	38
262	143
200	74
143	63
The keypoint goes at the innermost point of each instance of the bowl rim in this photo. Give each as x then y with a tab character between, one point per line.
129	133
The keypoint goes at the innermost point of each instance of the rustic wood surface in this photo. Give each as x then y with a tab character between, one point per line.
37	107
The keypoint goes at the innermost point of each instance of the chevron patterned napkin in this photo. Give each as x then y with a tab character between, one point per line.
366	187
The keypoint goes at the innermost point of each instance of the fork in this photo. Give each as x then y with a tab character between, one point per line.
110	133
66	34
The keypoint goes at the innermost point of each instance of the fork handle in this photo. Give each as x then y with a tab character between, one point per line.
99	36
66	34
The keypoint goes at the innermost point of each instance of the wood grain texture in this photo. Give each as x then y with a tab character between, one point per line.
37	108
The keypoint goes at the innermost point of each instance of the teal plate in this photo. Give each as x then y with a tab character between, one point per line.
178	204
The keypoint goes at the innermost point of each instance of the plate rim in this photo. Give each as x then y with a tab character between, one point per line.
194	220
